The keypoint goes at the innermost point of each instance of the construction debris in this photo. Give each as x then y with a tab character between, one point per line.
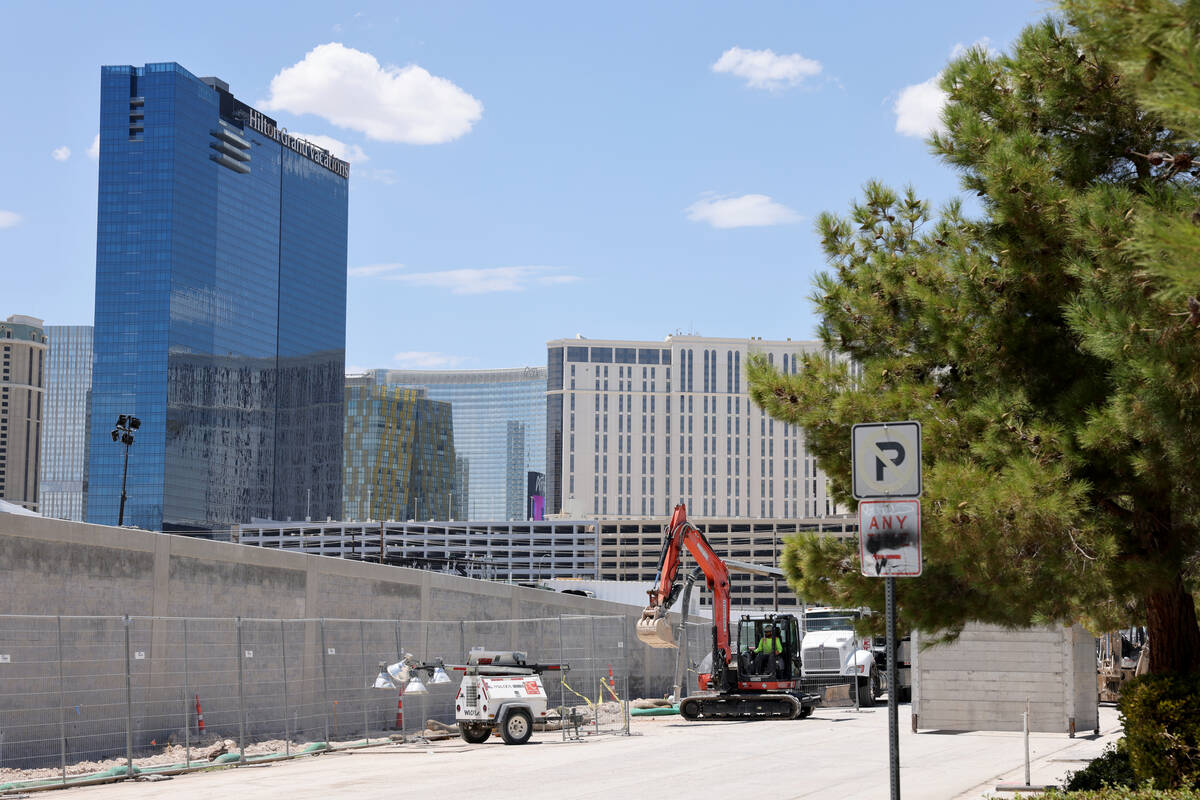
219	749
651	702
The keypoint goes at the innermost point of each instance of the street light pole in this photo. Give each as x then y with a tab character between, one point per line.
124	476
123	433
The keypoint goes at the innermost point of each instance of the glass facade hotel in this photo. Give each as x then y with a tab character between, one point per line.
399	454
64	423
499	433
220	309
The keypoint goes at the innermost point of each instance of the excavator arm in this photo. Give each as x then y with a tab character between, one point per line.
654	629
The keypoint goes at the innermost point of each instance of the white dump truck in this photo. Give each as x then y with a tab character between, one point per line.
831	652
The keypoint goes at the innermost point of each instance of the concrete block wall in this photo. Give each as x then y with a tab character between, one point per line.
59	567
982	680
56	567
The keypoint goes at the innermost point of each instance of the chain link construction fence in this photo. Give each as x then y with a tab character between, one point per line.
94	698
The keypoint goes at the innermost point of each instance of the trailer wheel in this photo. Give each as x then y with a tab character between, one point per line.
517	727
474	733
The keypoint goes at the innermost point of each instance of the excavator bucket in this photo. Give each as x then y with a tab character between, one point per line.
656	632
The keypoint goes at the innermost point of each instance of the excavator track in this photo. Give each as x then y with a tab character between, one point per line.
742	706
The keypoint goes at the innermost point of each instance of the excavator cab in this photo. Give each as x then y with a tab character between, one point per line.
751	631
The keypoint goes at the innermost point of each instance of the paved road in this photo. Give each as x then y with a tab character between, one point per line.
836	754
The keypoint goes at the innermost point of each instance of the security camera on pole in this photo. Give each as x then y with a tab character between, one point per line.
886	470
123	433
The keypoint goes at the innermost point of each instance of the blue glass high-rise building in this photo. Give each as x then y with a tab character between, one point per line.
220	309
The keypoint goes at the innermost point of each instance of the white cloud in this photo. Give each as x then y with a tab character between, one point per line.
418	359
61	153
9	219
749	210
486	281
919	107
764	69
372	270
93	151
385	176
984	43
346	152
393	104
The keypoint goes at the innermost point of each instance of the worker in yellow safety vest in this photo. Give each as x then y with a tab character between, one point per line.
768	647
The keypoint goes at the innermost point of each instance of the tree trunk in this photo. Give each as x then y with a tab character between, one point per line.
1172	630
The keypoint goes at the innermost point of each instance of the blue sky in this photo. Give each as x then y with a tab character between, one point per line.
532	170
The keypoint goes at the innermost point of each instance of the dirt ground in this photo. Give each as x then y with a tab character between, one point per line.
167	756
608	715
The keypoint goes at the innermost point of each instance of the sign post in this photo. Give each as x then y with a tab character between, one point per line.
886	469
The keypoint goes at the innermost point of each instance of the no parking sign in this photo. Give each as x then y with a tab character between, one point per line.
889	541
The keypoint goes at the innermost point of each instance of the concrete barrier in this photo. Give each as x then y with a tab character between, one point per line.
982	680
54	567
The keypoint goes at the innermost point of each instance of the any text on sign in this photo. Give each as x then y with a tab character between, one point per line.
887	459
889	538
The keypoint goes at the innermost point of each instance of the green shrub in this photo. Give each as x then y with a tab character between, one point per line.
1161	717
1118	793
1112	768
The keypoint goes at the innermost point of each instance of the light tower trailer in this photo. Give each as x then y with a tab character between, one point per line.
501	692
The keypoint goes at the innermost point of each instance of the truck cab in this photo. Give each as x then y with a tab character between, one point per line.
833	653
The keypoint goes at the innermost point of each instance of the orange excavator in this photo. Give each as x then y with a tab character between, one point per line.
755	672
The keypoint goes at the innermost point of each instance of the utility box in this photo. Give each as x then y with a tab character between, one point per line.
981	681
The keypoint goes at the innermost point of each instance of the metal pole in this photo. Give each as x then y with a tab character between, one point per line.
400	696
595	676
625	662
324	681
128	706
562	681
62	719
423	699
854	681
1026	726
893	706
187	714
241	697
287	731
187	721
362	646
124	474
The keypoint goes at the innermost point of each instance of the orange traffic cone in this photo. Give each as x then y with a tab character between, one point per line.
199	716
400	713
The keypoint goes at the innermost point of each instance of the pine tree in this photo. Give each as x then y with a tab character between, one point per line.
1044	341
